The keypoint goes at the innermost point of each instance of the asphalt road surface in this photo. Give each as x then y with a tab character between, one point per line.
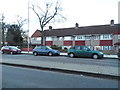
64	59
17	77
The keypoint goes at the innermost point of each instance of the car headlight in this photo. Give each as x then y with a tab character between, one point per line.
101	52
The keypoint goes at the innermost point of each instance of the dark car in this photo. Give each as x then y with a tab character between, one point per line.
119	53
10	50
84	51
45	50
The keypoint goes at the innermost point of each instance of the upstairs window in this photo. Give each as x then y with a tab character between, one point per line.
48	38
96	37
80	37
55	38
106	37
68	38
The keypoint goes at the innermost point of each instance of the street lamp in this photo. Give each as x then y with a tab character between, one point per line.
3	38
28	28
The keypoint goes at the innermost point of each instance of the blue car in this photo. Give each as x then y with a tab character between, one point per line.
45	50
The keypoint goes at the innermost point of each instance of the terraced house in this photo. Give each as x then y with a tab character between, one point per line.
99	37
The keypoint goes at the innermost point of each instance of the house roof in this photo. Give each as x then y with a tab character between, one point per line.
37	33
99	29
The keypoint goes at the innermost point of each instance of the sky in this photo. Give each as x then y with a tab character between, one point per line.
83	12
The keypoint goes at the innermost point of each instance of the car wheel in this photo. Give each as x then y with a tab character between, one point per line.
11	53
95	56
71	55
35	53
50	53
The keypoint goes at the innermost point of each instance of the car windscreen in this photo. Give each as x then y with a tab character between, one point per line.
49	48
13	47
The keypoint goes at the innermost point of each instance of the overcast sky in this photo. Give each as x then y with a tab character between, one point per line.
84	12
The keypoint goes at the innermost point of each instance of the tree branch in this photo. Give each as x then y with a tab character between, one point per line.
37	15
51	17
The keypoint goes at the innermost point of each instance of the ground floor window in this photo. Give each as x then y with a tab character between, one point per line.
106	47
100	47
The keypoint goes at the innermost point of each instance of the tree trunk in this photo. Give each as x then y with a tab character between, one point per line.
42	36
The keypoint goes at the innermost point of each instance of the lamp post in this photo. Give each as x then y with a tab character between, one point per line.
3	38
28	28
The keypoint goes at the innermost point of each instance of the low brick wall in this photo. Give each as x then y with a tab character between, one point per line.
26	49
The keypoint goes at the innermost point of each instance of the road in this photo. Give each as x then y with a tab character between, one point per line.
17	77
64	59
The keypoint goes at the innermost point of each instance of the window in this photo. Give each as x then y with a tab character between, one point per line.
96	37
60	38
33	38
48	38
80	37
87	37
55	38
39	38
106	47
68	38
106	36
118	36
82	48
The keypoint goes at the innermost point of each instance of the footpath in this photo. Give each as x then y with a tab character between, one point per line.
99	70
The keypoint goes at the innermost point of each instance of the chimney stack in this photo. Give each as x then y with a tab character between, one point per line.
76	25
50	27
112	22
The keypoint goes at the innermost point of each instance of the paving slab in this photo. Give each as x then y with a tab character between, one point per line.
95	69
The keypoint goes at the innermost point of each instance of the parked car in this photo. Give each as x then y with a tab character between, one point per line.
84	51
119	53
45	50
10	50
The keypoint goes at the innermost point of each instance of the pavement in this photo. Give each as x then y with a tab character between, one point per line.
70	67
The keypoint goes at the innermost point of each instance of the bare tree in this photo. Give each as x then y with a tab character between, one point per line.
20	21
47	15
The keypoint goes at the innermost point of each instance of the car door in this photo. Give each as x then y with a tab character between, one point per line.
44	50
6	49
78	51
38	50
86	52
83	51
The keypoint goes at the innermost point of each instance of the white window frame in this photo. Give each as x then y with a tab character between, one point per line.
80	37
106	37
48	38
38	38
87	37
54	38
119	36
106	47
60	38
96	37
68	38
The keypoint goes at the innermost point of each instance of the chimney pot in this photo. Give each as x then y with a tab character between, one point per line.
50	27
112	22
76	25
